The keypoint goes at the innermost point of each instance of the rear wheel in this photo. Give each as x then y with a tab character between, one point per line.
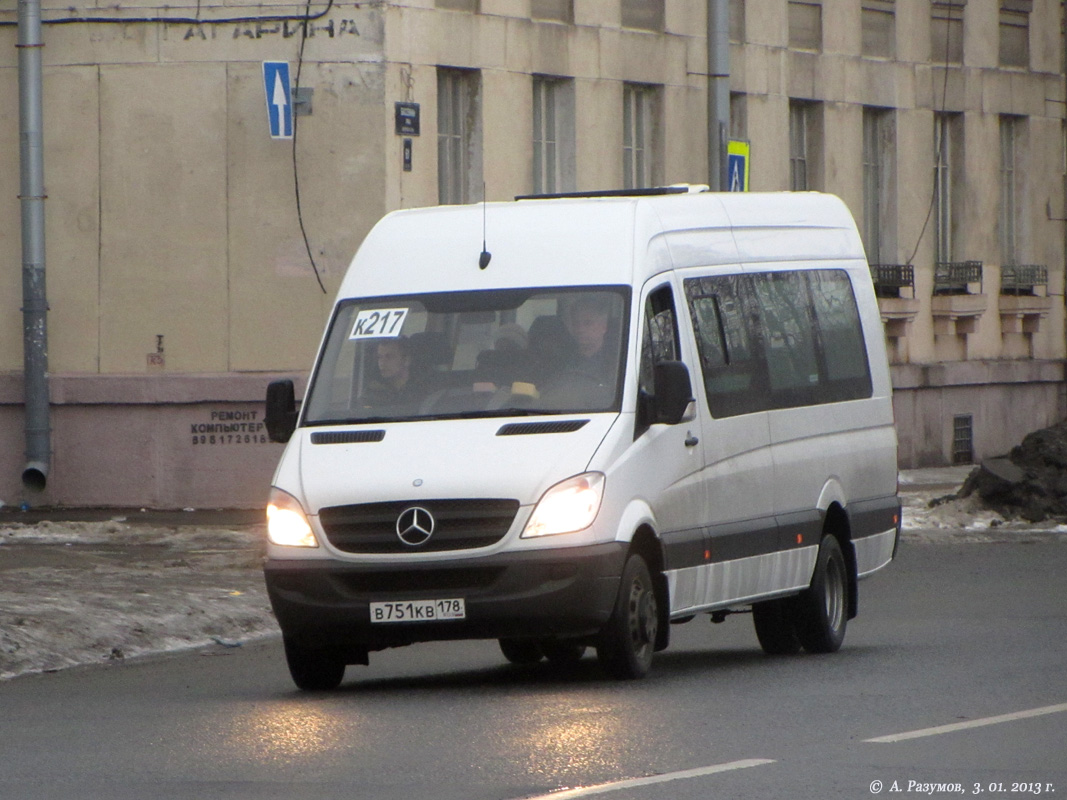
626	643
775	622
314	669
822	608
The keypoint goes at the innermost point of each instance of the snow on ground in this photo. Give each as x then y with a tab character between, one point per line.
91	592
97	592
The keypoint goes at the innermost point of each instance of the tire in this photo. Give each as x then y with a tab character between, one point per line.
521	651
314	670
562	652
822	609
626	643
775	623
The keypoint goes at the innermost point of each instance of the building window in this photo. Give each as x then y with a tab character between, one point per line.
459	158
805	25
946	31
739	116
805	138
948	161
646	15
1015	33
737	21
458	5
555	10
639	135
878	24
879	218
1010	130
553	135
963	439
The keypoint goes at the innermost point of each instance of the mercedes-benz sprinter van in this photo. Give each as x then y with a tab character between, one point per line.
571	422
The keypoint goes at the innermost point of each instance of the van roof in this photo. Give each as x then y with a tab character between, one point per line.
602	240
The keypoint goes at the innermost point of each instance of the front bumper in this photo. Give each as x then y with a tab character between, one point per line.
567	592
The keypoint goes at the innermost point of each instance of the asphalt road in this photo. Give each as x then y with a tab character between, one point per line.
971	635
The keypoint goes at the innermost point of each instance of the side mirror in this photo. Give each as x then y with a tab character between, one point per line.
281	411
674	393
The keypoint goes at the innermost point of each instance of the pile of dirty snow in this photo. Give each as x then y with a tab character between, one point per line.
1030	483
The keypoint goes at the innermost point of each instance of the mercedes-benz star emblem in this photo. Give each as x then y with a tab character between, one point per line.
414	526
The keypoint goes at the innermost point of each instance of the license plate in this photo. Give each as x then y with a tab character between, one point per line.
418	610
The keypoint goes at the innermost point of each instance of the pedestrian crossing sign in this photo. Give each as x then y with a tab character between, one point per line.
737	159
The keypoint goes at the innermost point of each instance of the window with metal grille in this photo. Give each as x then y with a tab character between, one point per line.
963	439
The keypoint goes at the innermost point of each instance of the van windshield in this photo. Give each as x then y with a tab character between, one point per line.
499	353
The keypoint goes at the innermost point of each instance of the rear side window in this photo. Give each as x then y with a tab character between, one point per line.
778	340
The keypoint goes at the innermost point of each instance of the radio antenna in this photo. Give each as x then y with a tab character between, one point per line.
486	256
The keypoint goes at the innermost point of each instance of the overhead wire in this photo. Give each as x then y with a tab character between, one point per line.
296	171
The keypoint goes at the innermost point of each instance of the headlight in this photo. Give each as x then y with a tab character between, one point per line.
286	523
569	506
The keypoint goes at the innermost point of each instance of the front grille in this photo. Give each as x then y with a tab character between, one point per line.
458	525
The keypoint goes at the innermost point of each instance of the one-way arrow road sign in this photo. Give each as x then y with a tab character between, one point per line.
279	99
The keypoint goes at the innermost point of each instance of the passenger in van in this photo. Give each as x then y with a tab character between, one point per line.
395	385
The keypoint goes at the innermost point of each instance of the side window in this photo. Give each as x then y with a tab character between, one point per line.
789	339
660	339
846	373
778	340
728	342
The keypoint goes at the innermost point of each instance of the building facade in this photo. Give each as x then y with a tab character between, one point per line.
191	257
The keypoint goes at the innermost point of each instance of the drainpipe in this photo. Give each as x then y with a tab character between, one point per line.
31	196
718	32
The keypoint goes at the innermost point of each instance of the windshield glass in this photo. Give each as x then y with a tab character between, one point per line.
472	354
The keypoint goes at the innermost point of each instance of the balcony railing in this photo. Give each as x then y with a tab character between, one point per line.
957	277
1022	279
889	279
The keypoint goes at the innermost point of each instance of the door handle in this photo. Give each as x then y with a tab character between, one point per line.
691	440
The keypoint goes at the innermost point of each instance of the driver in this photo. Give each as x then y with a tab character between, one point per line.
586	320
394	386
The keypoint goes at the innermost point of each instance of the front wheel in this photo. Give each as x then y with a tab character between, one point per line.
626	643
822	609
314	670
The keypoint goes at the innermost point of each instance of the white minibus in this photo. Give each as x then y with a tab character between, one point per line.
573	422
